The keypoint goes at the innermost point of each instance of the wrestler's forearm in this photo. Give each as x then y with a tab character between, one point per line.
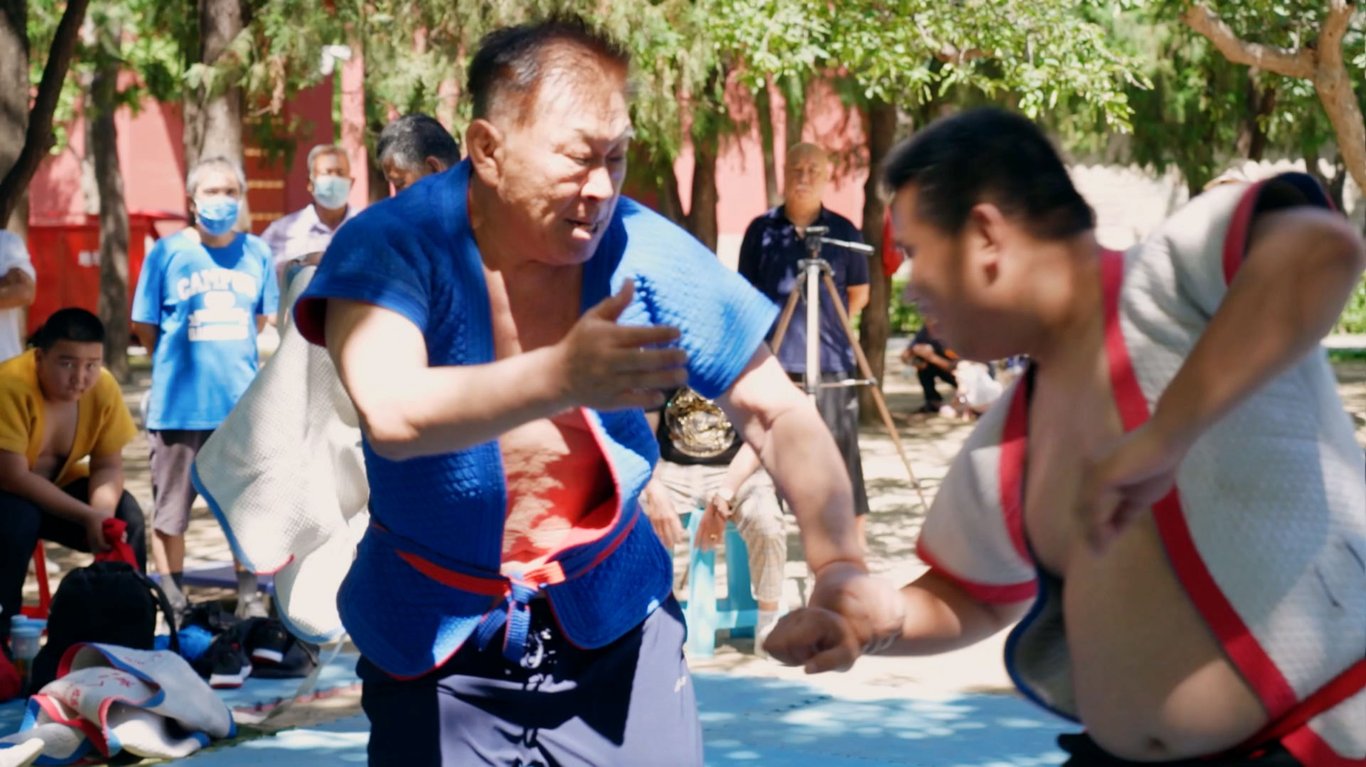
442	409
1299	273
801	457
106	488
940	617
796	448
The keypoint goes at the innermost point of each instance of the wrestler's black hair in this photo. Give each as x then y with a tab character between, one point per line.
70	324
412	138
988	155
512	61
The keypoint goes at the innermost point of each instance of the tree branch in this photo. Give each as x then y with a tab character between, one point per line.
1332	32
38	138
1291	63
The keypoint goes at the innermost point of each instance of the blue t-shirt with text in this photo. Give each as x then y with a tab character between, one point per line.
205	302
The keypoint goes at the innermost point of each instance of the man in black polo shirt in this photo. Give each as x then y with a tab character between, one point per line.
774	243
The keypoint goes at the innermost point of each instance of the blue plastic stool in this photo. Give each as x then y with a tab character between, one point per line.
706	614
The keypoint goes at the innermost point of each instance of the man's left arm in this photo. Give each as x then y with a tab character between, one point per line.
858	299
796	448
856	277
1301	267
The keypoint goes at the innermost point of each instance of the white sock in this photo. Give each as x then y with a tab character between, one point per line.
767	620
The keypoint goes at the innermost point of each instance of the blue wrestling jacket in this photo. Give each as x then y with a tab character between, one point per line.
426	576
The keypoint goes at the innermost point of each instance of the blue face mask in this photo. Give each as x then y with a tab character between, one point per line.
331	191
216	213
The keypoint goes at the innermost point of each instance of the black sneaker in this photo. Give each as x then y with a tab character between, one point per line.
225	663
267	641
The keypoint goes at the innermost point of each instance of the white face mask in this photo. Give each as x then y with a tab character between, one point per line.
331	191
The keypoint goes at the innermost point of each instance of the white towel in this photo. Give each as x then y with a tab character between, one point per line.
285	475
111	699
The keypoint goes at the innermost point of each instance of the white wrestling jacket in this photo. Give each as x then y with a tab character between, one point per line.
1273	558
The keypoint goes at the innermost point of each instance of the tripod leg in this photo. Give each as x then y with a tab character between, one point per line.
784	320
867	373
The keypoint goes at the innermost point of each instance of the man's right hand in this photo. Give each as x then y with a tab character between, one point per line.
607	366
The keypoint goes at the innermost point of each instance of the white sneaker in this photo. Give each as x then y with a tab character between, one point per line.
767	620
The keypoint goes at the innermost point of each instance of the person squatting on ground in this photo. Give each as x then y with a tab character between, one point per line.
932	362
202	297
1174	482
773	245
706	468
299	239
500	328
413	147
59	406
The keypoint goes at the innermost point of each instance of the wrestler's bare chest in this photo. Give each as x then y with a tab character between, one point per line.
525	318
59	432
1072	418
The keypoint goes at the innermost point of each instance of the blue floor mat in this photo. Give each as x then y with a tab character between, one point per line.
774	723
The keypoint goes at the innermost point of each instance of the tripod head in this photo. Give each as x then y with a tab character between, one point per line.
814	238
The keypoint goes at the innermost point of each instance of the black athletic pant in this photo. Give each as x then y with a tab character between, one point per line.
23	524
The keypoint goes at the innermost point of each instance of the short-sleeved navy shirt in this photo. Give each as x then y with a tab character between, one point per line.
768	259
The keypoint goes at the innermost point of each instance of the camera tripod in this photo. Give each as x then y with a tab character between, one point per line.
817	272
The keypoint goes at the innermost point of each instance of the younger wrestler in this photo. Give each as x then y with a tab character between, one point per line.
1174	484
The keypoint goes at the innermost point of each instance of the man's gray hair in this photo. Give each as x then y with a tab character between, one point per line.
218	162
319	151
412	138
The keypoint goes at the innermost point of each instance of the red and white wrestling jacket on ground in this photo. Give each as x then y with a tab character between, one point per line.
1266	529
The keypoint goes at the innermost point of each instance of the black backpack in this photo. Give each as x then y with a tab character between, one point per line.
106	602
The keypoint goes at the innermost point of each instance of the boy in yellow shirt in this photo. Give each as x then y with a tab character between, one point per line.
58	406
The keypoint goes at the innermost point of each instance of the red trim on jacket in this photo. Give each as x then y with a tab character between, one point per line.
982	592
1235	240
1246	653
1014	451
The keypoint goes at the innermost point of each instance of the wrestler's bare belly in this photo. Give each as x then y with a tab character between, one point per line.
1151	680
555	472
555	477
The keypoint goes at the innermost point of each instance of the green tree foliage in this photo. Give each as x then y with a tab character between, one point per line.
1316	46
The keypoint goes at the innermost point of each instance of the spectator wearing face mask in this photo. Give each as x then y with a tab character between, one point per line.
202	298
300	238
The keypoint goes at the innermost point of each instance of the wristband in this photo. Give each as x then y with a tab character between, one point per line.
879	644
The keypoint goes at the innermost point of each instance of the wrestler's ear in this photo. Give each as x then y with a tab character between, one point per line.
987	231
484	142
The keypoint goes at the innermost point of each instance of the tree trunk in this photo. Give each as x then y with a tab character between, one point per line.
13	82
213	119
102	133
1261	102
702	216
654	176
1335	90
874	327
1332	184
37	122
794	94
763	108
